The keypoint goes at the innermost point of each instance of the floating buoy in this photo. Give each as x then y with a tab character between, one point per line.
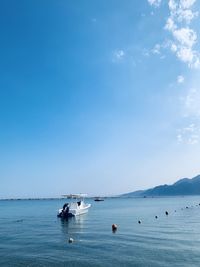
156	217
187	208
166	212
71	240
114	227
175	211
139	221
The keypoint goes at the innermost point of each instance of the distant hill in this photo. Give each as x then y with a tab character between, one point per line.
182	187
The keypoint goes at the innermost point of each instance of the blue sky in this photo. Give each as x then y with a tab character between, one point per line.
100	97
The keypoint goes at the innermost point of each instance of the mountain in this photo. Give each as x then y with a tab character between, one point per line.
182	187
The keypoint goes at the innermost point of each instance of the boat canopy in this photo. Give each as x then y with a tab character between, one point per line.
74	196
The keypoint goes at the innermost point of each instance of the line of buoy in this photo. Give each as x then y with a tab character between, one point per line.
114	226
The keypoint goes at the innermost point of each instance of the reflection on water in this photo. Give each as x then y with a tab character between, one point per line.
73	225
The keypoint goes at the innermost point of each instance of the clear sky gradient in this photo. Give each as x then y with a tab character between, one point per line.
100	97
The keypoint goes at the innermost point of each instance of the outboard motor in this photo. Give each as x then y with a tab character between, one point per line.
65	211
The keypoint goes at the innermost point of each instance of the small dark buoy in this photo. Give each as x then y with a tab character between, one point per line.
71	240
114	227
19	221
139	221
187	208
199	204
166	212
156	217
175	211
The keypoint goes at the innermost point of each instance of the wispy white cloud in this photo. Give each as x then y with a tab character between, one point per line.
189	135
191	103
118	55
183	37
179	138
145	53
186	3
156	49
183	43
180	79
155	3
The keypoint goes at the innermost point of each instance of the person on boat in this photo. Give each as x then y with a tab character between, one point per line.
65	205
65	210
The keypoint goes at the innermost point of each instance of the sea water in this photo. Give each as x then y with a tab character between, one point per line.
32	235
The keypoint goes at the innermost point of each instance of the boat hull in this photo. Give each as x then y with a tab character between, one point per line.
74	211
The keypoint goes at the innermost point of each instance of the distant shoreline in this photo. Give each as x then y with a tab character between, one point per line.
18	199
48	198
116	197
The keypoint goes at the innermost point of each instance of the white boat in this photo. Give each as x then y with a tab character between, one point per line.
74	208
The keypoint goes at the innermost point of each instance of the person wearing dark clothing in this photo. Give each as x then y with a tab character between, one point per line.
65	205
65	210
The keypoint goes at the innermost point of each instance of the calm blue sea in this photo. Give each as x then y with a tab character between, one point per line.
31	234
